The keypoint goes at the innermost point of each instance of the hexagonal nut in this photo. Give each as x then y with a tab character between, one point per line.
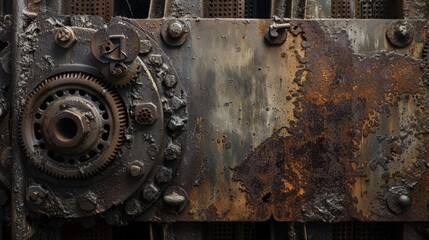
133	207
136	169
36	194
164	175
145	46
145	113
150	192
170	81
65	37
57	128
172	152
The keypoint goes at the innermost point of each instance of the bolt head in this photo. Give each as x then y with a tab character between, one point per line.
136	169
36	194
145	113
175	30
65	37
170	81
175	199
404	201
145	46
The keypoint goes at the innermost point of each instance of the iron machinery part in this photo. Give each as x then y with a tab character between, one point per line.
72	126
134	168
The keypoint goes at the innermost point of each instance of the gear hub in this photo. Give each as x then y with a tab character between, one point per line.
72	126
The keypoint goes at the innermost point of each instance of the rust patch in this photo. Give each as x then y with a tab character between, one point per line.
308	174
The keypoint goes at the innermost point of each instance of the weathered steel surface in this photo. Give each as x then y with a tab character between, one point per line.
320	128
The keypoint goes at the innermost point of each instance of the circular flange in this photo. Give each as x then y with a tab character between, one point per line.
72	126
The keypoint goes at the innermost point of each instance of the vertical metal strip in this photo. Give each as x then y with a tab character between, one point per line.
18	219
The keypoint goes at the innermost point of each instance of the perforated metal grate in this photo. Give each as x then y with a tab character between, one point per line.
224	8
231	231
341	9
370	9
103	8
76	232
249	9
366	231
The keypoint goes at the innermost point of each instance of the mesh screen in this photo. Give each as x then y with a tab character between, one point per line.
370	9
224	8
103	8
341	9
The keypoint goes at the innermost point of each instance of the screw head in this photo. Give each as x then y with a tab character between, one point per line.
175	30
65	37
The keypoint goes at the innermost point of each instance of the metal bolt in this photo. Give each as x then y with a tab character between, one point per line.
145	46
145	113
113	217
175	30
36	194
133	207
164	175
136	169
150	192
172	152
175	199
404	201
65	37
170	81
400	34
398	199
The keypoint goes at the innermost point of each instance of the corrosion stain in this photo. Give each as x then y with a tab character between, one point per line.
308	174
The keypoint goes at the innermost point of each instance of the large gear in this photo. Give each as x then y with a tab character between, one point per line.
72	126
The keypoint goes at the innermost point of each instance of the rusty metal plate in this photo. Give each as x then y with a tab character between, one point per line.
320	128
